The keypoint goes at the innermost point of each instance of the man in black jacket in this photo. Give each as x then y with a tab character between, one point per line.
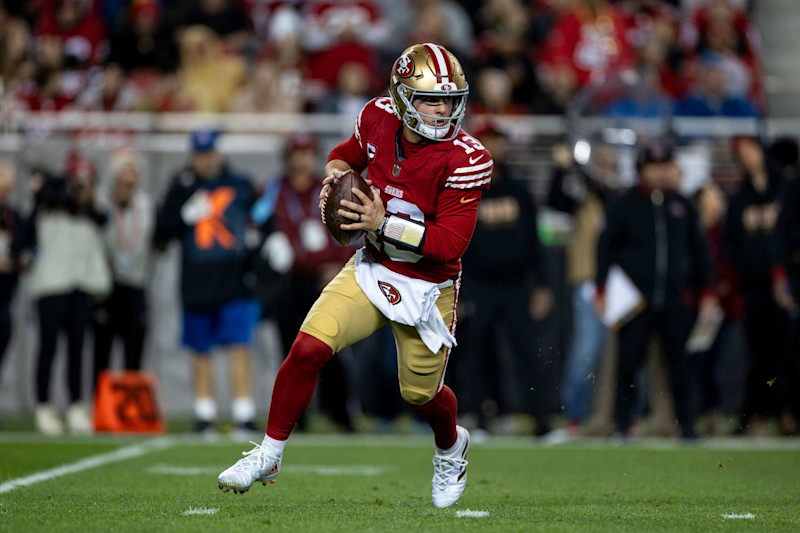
503	292
654	235
207	209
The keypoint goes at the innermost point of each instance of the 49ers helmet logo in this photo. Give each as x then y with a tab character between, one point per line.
404	66
390	292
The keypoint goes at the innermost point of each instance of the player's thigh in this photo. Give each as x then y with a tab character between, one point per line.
420	371
342	315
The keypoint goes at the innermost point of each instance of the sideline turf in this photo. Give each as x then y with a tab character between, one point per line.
597	488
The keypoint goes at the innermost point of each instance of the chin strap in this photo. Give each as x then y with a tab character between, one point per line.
403	232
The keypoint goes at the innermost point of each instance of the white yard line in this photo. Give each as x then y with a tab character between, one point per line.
201	510
469	513
87	463
746	516
173	470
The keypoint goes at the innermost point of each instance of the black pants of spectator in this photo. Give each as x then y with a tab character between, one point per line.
490	311
5	328
293	306
124	315
70	312
789	376
672	326
765	340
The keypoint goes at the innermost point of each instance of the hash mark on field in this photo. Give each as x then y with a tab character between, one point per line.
184	470
345	470
469	513
746	516
121	454
201	510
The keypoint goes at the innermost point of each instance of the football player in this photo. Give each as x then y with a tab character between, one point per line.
427	176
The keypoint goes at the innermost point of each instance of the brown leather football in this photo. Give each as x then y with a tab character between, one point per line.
341	189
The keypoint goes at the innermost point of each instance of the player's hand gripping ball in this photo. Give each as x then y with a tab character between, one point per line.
341	189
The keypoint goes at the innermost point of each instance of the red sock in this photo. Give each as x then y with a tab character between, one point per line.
295	384
440	413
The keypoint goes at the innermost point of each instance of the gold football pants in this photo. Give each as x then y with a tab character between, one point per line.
343	315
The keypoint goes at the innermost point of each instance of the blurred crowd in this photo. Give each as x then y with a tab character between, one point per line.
328	56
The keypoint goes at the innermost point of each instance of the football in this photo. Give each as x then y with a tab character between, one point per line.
342	189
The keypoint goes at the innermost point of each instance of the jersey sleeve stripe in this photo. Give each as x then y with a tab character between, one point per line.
476	168
469	185
470	177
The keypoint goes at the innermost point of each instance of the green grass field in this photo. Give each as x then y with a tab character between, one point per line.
383	483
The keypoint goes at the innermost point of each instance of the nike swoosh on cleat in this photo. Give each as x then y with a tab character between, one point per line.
473	161
467	200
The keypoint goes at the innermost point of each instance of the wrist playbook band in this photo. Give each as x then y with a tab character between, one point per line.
404	232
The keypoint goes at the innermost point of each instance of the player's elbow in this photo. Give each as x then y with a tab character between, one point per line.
444	251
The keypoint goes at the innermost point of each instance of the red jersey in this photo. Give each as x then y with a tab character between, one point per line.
297	216
439	184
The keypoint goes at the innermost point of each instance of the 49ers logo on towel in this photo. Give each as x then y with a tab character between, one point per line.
390	292
404	66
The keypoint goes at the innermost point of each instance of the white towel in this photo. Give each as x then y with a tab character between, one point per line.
404	300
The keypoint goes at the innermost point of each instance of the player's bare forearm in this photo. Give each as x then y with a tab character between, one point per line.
333	170
336	165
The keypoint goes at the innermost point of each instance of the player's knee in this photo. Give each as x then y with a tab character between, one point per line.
416	396
309	352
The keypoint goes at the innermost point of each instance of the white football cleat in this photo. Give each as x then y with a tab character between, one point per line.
450	472
257	465
47	421
78	420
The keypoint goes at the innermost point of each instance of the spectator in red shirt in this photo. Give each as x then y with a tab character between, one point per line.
80	30
653	33
47	94
592	38
337	33
328	23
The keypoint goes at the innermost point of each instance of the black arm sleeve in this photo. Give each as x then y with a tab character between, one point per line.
787	220
169	224
557	197
732	233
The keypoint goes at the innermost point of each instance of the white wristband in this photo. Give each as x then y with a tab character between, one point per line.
407	233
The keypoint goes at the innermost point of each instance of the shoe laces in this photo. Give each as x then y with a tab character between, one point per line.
445	467
257	457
